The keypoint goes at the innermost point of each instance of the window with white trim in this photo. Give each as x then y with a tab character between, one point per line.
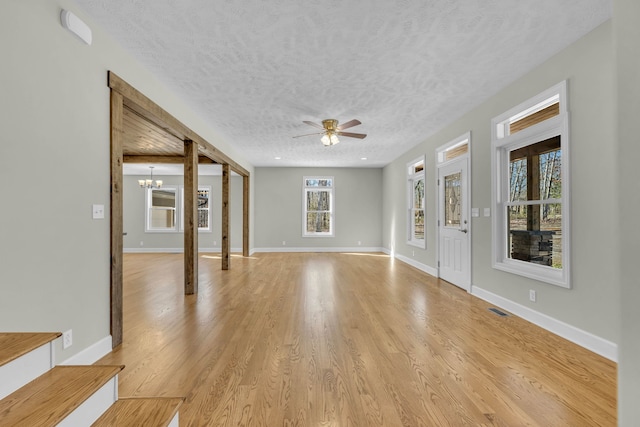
530	188
204	211
318	207
416	202
164	209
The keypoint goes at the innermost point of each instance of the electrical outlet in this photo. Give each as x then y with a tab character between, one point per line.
284	243
141	243
67	339
413	253
532	295
215	243
359	243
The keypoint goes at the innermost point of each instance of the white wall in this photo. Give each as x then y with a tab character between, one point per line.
358	207
54	163
134	216
593	303
627	39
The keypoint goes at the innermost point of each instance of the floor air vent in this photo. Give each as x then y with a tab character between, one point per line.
498	312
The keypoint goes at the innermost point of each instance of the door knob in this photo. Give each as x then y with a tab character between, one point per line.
464	231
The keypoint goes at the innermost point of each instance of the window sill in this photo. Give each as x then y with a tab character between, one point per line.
418	244
548	275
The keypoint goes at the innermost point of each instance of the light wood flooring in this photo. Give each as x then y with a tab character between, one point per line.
345	340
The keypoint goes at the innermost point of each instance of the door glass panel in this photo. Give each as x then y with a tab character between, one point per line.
452	200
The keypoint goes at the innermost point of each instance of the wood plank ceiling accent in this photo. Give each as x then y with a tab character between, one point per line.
162	134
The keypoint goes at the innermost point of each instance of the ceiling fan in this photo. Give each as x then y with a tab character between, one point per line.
331	130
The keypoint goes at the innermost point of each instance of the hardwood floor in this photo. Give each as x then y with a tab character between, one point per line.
345	340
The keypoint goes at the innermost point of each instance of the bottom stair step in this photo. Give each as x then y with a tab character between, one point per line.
65	395
142	411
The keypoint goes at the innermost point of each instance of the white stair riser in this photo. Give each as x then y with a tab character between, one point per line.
174	422
25	369
91	409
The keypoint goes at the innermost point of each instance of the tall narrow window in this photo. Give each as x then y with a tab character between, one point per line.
530	144
204	211
318	209
416	211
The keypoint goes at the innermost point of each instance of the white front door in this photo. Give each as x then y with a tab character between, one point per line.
454	229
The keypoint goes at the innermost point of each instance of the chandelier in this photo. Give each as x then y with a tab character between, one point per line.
150	183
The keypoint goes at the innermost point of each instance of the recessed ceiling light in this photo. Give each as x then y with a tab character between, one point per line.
363	158
277	158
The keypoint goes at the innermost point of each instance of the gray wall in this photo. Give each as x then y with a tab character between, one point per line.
54	161
593	303
627	37
134	216
278	210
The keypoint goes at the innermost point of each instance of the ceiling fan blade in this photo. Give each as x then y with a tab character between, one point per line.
349	124
315	125
352	135
308	134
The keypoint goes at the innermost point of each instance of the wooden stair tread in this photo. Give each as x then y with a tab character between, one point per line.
16	344
50	398
138	411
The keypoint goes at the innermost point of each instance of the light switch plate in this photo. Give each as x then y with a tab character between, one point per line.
98	211
475	212
487	212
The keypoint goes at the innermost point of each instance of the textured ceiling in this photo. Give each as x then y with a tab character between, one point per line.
255	69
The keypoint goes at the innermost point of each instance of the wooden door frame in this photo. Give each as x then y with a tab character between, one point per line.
123	94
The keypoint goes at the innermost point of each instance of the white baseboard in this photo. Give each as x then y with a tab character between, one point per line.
173	250
584	339
319	249
91	354
420	266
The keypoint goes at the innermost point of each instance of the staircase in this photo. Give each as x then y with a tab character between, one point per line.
34	392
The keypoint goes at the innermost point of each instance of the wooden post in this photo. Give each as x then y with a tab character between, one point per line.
117	106
225	216
245	215
190	217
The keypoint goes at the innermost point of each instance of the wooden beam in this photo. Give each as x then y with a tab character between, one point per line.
225	217
190	217
152	112
116	218
245	215
164	159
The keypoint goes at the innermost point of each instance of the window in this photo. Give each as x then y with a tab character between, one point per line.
204	212
415	187
163	213
530	188
161	209
318	209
